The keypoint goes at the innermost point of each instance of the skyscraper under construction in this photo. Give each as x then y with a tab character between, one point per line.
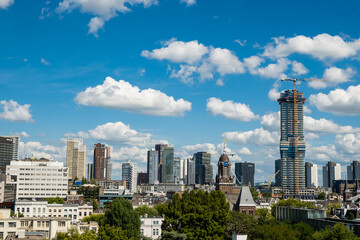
292	142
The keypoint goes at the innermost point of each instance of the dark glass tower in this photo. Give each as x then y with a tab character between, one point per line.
245	172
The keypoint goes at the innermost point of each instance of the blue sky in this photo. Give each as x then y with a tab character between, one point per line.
194	72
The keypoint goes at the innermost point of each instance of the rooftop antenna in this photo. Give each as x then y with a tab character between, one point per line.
224	149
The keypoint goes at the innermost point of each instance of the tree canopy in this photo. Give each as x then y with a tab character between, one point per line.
149	211
58	200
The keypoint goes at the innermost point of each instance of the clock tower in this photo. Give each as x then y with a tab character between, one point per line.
224	180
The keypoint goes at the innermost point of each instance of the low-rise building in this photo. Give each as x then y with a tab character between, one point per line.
84	211
71	210
31	208
151	226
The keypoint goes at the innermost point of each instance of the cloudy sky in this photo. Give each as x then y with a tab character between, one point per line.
190	73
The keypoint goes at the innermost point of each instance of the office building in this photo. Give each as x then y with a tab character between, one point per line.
102	165
332	171
90	171
142	178
177	170
153	166
159	148
203	168
129	174
311	175
6	152
353	171
278	172
76	158
39	178
245	172
15	146
167	165
190	172
292	141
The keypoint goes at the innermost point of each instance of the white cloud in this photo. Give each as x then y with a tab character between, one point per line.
15	112
299	68
241	43
225	61
348	143
185	74
307	110
188	2
274	94
274	70
130	153
220	82
189	150
245	151
6	3
333	76
178	52
322	46
252	63
22	134
271	121
43	61
311	136
103	10
122	95
338	101
257	136
38	150
230	109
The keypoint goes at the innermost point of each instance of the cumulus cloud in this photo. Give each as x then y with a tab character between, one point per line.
322	46
220	82
333	76
274	94
272	70
6	3
22	134
338	101
271	121
299	68
122	95
130	153
188	2
230	109
39	150
225	61
178	51
185	74
257	136
102	10
14	112
348	143
245	151
252	63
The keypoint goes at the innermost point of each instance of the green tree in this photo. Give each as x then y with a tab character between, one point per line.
265	216
151	212
108	232
254	193
198	214
161	208
173	236
73	234
240	223
276	231
120	213
57	200
99	218
336	232
290	202
95	204
322	196
306	231
332	205
83	181
267	195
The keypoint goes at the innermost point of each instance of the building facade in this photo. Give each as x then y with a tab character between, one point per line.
203	168
353	171
151	227
167	165
311	175
278	171
9	151
159	148
129	174
76	158
245	172
39	178
292	141
224	179
153	166
90	171
102	165
332	171
190	172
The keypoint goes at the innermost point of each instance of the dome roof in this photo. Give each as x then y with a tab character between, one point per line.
224	158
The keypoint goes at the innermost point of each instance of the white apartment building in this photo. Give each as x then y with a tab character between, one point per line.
55	210
151	227
76	158
71	210
129	174
31	208
39	178
84	211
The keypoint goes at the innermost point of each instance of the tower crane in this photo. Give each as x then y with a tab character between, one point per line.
271	178
295	128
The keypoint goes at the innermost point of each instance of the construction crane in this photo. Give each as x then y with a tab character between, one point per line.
271	178
295	128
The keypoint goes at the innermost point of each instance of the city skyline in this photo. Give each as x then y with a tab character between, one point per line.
213	75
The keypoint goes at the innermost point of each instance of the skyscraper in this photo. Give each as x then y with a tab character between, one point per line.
292	141
129	174
90	171
6	152
152	166
167	165
160	149
278	175
102	165
245	172
332	171
15	146
190	171
311	175
203	168
177	170
353	171
76	158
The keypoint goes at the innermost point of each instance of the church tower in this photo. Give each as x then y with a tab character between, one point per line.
224	180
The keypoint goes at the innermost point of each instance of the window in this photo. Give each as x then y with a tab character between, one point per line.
12	224
80	214
142	231
61	224
1	224
155	231
34	210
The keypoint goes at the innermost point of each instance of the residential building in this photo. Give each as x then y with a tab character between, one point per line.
292	141
31	208
151	227
311	175
203	168
71	210
39	178
190	171
278	172
353	171
332	171
76	158
167	165
153	166
245	172
129	174
102	165
9	151
90	171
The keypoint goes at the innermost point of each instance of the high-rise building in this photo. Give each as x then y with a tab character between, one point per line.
167	165
76	158
142	178
6	152
245	172
203	168
190	172
292	141
152	166
332	171
160	149
16	142
129	174
353	171
278	172
90	171
311	175
177	170
102	165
